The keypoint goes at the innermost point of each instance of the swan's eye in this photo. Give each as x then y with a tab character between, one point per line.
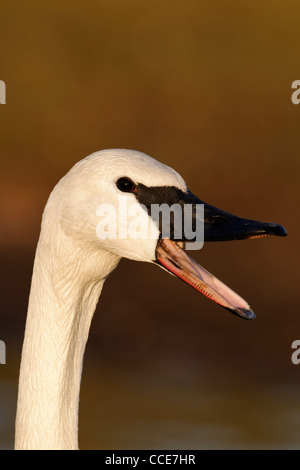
126	185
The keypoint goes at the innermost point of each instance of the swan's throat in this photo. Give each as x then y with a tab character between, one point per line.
61	306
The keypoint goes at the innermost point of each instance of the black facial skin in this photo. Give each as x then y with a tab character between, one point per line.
218	224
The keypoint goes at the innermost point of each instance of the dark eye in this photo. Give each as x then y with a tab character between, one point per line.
126	185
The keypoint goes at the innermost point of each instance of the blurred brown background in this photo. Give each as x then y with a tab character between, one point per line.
204	87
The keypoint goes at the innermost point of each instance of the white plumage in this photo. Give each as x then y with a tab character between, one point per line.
71	265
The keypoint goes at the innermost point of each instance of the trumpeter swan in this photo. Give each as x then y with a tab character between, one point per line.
71	265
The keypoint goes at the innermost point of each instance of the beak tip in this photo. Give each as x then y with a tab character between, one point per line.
247	314
251	315
278	230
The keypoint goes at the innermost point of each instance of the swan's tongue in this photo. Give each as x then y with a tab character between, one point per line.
171	257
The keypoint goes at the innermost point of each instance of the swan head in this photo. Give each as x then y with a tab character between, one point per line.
105	204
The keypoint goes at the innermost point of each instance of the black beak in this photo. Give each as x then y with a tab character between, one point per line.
218	226
222	226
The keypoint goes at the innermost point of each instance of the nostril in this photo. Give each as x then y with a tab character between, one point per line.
216	219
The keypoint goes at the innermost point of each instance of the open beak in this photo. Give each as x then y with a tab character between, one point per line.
218	225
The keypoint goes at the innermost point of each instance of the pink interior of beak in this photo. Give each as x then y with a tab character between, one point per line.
174	259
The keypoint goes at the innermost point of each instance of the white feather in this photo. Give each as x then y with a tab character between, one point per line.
70	267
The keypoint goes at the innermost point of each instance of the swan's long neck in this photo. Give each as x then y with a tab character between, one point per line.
62	301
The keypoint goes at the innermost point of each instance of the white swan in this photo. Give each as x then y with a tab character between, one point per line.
71	265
